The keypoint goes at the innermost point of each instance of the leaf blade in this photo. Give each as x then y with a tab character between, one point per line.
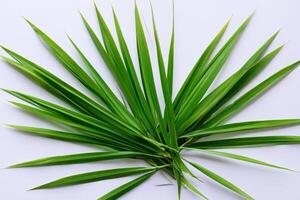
123	189
221	180
247	142
244	159
81	158
252	94
242	126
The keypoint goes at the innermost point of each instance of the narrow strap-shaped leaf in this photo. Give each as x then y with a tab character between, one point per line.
81	158
244	158
242	126
146	69
247	142
95	176
55	134
118	65
210	73
170	71
93	122
107	96
105	56
247	78
192	188
199	69
123	189
130	98
165	89
108	138
43	81
147	116
68	62
178	177
221	180
61	89
248	97
217	94
110	45
85	122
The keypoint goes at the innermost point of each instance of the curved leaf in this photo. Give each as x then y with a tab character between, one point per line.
95	176
123	189
82	158
221	180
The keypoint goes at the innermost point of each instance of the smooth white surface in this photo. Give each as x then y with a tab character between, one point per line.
197	21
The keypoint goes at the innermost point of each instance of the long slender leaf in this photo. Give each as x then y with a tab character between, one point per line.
118	66
147	116
61	89
221	180
247	142
242	126
67	61
81	158
146	69
95	176
192	188
248	97
107	96
210	73
200	68
216	95
123	189
55	134
245	80
243	158
113	140
165	88
170	70
114	70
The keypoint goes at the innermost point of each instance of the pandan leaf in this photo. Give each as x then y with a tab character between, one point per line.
221	180
137	125
123	189
95	176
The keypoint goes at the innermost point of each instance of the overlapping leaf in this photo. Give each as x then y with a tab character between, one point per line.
137	126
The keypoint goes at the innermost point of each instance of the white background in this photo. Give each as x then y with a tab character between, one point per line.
197	21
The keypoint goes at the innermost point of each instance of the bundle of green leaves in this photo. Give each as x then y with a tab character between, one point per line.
136	126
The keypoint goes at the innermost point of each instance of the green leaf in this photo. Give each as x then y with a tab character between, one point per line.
247	78
208	75
60	88
247	142
79	117
248	97
148	79
146	69
221	180
117	66
66	60
192	188
123	189
243	158
95	176
242	126
82	158
115	140
106	95
146	115
58	135
217	94
165	89
170	71
201	67
131	100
